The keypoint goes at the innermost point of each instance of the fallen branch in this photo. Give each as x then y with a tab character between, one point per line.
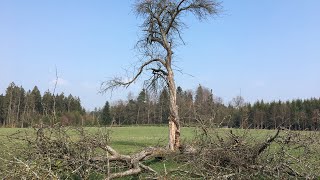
266	144
133	161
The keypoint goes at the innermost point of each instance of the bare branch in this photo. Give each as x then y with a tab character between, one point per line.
154	71
54	98
117	82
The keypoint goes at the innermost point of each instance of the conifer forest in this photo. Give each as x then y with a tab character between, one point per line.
27	108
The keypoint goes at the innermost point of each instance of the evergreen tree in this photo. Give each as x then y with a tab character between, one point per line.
35	93
24	108
2	111
164	106
199	97
21	94
47	102
188	107
60	103
9	103
142	97
141	107
105	114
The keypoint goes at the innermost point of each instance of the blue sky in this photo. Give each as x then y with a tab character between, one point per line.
268	49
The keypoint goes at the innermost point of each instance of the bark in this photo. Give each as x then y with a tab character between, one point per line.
174	121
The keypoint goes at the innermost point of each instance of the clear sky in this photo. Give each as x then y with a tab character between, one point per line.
268	49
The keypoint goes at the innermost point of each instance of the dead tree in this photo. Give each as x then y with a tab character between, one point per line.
162	28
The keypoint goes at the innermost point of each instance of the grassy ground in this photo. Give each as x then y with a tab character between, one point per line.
130	139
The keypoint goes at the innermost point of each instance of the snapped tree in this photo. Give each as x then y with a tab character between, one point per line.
162	28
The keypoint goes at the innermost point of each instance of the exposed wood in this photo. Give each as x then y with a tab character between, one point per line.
134	160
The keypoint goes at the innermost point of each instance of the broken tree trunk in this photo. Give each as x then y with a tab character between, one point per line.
174	120
134	161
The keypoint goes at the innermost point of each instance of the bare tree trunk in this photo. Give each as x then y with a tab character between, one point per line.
174	121
119	118
82	121
53	120
138	115
13	121
24	113
18	111
160	114
154	114
69	105
9	110
148	113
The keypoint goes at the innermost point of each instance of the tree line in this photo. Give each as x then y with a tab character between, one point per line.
202	106
21	108
296	114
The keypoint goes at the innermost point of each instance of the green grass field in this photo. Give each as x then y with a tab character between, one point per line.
125	140
131	139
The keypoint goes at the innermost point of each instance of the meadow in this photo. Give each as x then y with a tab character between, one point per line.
130	139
